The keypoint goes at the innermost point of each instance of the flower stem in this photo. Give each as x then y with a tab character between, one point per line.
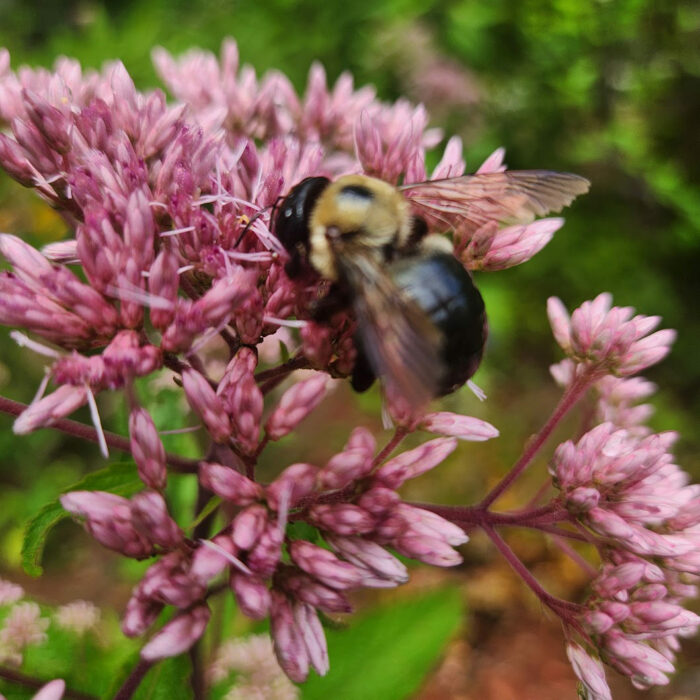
87	432
563	608
567	401
399	435
133	681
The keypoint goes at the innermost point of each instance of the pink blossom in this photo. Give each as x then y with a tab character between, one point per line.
147	448
608	337
455	425
53	690
589	671
178	635
296	403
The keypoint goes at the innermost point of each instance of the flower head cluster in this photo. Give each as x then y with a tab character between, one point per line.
257	673
174	251
610	339
621	483
23	627
351	501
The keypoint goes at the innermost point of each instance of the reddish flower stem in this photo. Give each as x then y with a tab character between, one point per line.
476	515
133	681
563	608
31	682
87	432
281	371
399	435
568	400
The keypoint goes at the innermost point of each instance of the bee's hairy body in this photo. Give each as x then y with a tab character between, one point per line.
406	288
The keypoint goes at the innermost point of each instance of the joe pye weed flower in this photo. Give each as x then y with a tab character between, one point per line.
172	247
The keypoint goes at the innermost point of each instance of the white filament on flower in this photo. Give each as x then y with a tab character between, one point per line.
228	556
94	414
25	341
476	390
176	231
289	323
42	385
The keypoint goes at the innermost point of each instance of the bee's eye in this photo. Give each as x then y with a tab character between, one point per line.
358	191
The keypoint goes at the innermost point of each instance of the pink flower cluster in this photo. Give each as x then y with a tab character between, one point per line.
173	252
353	503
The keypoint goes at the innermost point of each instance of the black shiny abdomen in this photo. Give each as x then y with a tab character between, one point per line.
442	288
291	224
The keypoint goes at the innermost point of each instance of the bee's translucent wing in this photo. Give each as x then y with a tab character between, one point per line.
400	341
513	196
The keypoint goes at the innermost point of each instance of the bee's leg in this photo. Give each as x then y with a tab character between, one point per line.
323	309
362	373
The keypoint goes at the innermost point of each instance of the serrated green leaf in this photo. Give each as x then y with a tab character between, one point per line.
388	652
121	478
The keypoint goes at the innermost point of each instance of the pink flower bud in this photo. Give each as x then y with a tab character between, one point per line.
243	398
289	647
312	635
252	595
178	635
414	462
163	283
361	439
342	518
266	553
294	483
583	499
560	321
324	565
369	555
229	484
307	589
248	525
51	691
150	517
379	501
140	614
108	520
206	404
597	622
27	262
589	671
430	550
209	561
462	427
14	161
51	408
296	403
147	449
344	468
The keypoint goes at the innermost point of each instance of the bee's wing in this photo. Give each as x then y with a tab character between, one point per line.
513	196
401	342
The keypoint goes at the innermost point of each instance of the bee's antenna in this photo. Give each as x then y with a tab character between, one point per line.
256	216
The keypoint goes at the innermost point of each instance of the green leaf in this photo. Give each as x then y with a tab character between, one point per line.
388	652
121	478
167	680
212	504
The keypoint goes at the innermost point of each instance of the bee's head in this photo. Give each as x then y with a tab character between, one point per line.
291	224
356	212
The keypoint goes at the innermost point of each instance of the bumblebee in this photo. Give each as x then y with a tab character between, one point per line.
421	321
